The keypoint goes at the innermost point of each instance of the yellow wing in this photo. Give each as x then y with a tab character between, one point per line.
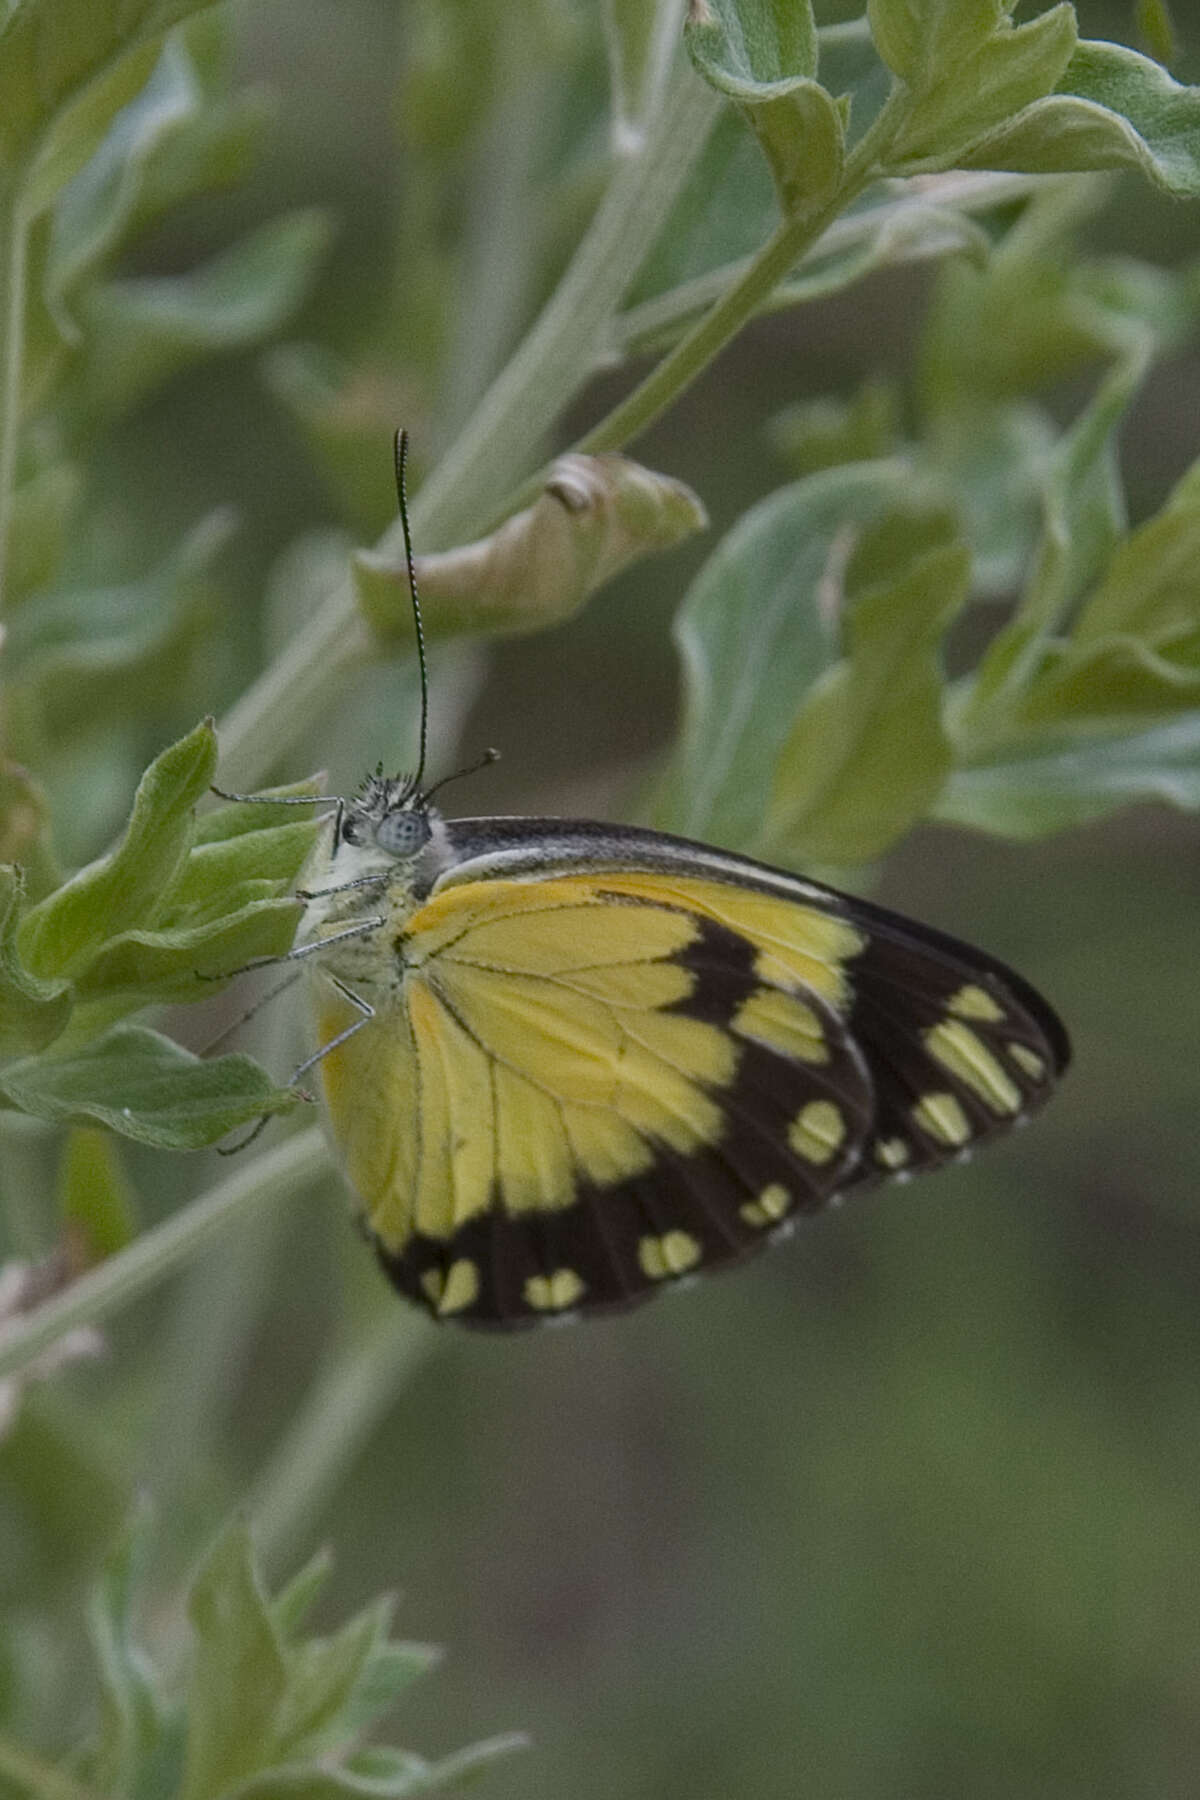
579	1087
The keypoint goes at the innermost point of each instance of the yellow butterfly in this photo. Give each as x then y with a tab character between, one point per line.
567	1063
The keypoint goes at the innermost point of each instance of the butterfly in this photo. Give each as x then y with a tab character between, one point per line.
567	1065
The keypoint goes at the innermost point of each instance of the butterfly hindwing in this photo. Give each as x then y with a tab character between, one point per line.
959	1047
603	1060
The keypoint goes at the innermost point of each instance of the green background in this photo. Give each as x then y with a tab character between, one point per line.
909	1508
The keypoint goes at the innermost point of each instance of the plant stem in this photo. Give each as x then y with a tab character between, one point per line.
336	1420
643	327
556	355
13	243
115	1282
783	250
700	346
505	432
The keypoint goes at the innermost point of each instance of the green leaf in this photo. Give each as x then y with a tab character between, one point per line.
727	209
597	514
920	40
1029	789
1108	679
1113	109
124	890
323	1675
1026	317
237	818
388	1673
755	43
883	229
994	460
980	89
66	67
1151	587
32	1011
867	754
144	1086
1083	518
94	210
272	855
756	629
291	1606
1084	500
802	134
95	1196
141	330
181	963
239	1671
762	54
820	434
1157	29
66	1491
172	140
378	1773
75	651
852	70
139	1736
42	511
265	1714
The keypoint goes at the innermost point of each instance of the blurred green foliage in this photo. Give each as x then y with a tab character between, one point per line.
911	1509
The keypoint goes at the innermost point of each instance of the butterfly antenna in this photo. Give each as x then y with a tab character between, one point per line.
401	460
489	756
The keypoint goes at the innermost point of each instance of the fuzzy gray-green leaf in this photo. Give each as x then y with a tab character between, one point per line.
66	67
142	329
125	889
1030	789
868	754
145	1087
1113	109
756	629
971	94
32	1011
239	1672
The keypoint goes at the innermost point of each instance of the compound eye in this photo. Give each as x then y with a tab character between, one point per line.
403	832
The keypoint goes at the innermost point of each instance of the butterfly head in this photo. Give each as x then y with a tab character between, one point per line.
389	814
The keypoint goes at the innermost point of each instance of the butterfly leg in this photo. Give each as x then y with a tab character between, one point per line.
342	887
252	1012
361	928
368	1013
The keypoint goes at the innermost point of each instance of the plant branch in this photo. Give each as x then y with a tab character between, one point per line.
337	1418
644	327
113	1284
791	240
505	431
14	232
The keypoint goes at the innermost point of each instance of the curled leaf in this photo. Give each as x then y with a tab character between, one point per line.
597	514
32	1011
762	54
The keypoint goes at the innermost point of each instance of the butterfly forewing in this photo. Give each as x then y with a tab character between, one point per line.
603	1060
